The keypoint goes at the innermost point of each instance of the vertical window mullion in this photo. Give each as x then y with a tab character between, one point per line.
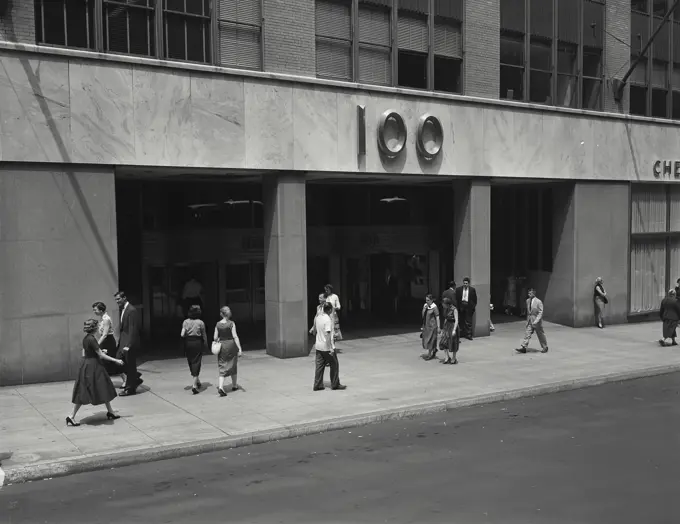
430	45
649	58
127	26
553	54
98	25
527	50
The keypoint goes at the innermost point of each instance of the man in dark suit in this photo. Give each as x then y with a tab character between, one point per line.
466	299
128	344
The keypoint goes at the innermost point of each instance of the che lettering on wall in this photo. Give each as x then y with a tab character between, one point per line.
667	169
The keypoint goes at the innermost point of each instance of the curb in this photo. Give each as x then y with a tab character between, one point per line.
64	467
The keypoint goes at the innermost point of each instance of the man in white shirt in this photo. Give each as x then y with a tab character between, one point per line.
534	323
325	352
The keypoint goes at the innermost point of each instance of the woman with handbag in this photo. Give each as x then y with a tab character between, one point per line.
227	346
195	341
601	300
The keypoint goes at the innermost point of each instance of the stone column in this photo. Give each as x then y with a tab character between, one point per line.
472	244
285	233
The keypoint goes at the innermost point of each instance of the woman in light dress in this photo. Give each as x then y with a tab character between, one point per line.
334	301
430	329
105	338
227	358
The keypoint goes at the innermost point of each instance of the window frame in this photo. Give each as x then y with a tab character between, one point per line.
555	43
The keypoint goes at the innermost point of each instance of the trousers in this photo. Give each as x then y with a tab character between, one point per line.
323	358
530	330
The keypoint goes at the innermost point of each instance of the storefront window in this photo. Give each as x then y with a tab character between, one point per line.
655	245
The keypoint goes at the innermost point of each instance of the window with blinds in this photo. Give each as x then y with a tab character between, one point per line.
186	30
334	39
655	244
240	33
413	42
375	43
128	26
448	46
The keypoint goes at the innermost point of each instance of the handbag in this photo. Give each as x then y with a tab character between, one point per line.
604	299
215	347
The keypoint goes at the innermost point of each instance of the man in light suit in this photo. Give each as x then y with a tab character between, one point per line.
466	301
534	323
128	344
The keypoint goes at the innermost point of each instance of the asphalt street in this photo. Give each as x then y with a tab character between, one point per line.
609	454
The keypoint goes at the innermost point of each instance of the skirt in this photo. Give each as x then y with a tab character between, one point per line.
669	327
227	358
430	337
93	385
337	334
449	340
110	346
193	349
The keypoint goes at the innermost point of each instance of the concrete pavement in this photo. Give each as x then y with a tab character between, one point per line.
598	455
385	380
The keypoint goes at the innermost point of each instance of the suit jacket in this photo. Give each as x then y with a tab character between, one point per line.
534	311
130	328
472	297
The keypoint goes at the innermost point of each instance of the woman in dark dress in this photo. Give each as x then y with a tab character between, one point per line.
105	338
430	329
195	342
227	358
93	385
670	316
449	341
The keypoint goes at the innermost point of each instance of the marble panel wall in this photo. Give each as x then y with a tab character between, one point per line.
82	111
58	253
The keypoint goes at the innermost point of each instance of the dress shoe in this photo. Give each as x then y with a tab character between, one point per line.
128	393
195	391
521	350
544	350
221	392
71	422
340	387
112	416
319	389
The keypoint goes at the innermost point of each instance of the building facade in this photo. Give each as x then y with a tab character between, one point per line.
268	147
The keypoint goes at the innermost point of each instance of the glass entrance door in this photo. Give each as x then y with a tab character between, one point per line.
167	288
244	293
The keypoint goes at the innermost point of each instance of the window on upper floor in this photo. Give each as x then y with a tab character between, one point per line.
239	24
391	42
186	30
655	82
554	55
129	26
67	23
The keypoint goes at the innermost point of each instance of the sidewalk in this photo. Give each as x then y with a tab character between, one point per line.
385	379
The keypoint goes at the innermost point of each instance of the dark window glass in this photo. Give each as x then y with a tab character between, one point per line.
592	63
676	105
638	100
65	22
447	74
412	69
659	103
567	91
449	9
592	94
567	59
129	29
415	6
512	50
539	87
659	7
547	225
641	6
512	15
512	83
541	55
568	21
187	36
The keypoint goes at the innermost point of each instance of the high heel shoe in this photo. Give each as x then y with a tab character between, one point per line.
195	391
112	416
71	422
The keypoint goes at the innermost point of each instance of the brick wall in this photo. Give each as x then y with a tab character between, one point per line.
482	48
289	37
18	23
617	54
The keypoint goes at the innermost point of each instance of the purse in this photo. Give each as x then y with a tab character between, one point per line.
215	347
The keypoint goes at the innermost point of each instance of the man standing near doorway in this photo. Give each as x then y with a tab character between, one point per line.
128	344
534	323
325	352
466	298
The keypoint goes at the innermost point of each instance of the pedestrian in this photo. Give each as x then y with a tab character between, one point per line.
105	337
450	293
449	341
93	384
492	328
534	308
601	300
466	298
430	327
319	311
128	344
227	358
669	311
325	354
192	294
334	301
195	342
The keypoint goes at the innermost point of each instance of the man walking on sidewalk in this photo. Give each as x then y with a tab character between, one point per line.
128	344
325	352
534	323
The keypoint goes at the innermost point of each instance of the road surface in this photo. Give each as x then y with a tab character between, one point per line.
609	454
